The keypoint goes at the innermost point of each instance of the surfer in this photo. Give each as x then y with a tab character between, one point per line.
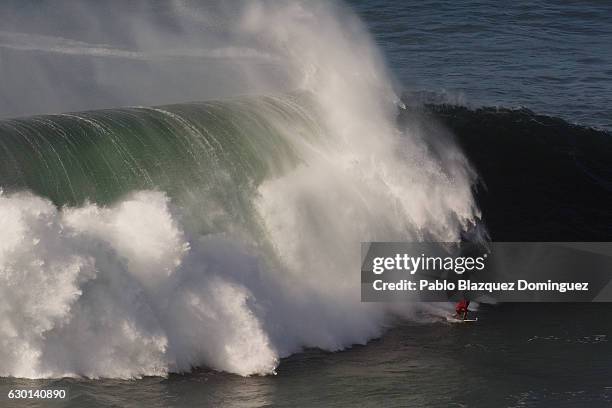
461	309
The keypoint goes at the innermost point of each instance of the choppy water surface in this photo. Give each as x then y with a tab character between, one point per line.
551	56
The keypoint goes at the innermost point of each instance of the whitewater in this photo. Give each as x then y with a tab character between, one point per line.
225	234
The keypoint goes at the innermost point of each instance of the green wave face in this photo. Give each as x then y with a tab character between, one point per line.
213	151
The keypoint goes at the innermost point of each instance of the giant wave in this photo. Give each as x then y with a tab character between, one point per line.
225	234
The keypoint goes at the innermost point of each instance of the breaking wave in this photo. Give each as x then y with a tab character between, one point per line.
142	241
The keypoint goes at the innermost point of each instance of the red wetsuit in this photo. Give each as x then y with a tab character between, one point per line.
462	307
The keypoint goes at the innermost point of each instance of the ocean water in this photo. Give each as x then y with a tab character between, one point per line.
553	57
198	253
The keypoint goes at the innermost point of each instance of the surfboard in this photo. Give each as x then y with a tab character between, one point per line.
451	319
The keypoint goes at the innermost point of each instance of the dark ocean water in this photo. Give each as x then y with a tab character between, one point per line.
546	179
551	56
